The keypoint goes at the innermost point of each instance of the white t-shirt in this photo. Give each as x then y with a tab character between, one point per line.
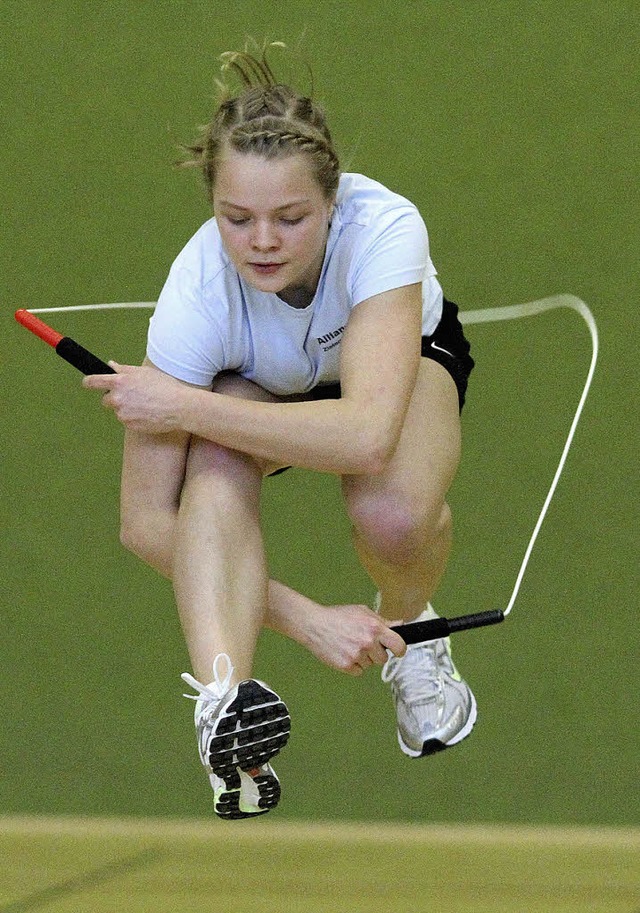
208	319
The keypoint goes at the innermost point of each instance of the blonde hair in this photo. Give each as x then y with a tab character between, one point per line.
267	118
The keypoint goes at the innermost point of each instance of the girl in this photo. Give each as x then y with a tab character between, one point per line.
302	325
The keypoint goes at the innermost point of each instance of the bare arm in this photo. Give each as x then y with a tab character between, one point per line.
354	435
349	638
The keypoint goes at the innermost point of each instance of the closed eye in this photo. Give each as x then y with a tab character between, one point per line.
243	221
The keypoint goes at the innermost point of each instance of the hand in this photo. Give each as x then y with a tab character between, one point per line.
144	399
351	638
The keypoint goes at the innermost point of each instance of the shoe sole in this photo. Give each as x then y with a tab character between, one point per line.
250	730
228	802
433	746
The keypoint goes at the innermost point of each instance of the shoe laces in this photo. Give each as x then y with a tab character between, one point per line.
217	689
415	677
209	697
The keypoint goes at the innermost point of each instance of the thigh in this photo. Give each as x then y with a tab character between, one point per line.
154	465
230	384
428	452
153	470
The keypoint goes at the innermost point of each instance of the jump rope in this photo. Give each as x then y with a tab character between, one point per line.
413	632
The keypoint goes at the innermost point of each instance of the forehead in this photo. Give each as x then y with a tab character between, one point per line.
253	182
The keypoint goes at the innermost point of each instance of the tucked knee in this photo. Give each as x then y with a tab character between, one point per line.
144	532
146	524
130	534
399	530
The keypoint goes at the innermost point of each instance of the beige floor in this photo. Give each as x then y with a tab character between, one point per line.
147	866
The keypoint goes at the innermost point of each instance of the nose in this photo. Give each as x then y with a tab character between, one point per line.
264	237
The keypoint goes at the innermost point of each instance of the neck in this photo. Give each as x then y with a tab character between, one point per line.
297	297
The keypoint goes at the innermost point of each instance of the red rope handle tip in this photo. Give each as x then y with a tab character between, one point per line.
39	327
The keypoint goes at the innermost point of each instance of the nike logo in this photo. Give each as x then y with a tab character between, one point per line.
440	349
455	675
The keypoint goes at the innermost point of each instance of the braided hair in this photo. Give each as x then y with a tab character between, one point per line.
268	119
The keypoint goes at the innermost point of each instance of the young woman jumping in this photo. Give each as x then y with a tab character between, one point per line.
303	325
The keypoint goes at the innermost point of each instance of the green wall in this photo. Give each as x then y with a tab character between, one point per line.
514	126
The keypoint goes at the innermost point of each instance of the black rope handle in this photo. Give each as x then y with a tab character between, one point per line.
417	632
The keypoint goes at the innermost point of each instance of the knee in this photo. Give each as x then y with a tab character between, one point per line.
396	529
142	534
134	534
151	541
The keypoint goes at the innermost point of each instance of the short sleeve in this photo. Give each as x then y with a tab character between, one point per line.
184	339
394	254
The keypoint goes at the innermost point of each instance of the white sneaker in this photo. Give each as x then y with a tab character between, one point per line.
434	706
239	730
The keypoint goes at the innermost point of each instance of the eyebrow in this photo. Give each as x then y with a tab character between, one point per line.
278	209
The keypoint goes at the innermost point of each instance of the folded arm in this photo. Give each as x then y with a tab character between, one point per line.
356	434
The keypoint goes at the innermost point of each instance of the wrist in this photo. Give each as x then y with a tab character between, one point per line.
294	615
187	411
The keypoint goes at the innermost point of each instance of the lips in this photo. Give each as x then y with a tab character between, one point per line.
266	269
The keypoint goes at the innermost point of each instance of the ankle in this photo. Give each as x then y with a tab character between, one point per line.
405	613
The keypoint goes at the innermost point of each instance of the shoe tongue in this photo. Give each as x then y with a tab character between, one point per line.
417	680
421	668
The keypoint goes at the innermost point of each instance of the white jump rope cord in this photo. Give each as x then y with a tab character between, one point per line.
121	306
529	309
485	315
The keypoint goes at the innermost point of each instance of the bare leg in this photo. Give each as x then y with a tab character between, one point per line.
155	469
190	509
219	570
402	529
407	588
401	522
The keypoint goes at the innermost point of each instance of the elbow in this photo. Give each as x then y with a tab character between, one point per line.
374	436
376	453
378	461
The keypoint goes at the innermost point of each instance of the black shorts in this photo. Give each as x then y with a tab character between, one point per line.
447	345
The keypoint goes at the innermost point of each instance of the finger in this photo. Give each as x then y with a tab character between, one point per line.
392	641
378	655
366	662
121	369
98	382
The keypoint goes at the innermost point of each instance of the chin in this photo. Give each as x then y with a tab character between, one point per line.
264	285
